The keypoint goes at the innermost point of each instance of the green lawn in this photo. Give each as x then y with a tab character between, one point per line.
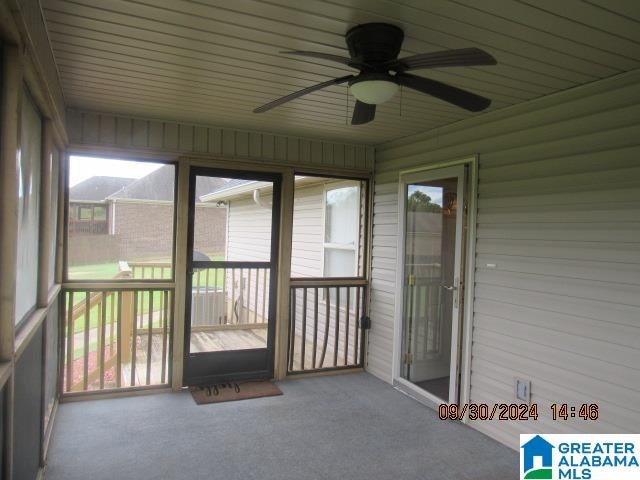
106	271
101	271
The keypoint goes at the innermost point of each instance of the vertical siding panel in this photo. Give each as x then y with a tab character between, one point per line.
140	133
350	156
361	159
185	139
293	150
327	154
171	136
74	126
370	153
229	142
156	132
281	149
316	152
107	130
215	141
338	155
90	127
127	132
123	131
201	140
268	146
305	151
242	144
255	145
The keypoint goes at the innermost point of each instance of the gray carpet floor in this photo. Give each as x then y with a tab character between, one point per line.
334	427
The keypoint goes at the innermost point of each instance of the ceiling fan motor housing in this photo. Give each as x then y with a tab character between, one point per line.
374	43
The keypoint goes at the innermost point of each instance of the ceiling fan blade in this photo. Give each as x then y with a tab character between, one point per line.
325	56
300	93
363	113
463	57
461	98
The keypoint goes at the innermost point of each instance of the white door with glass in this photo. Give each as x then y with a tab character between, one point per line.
433	236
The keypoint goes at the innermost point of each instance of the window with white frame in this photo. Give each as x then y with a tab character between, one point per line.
341	231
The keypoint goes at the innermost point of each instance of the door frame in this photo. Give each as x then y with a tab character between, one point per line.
466	297
228	356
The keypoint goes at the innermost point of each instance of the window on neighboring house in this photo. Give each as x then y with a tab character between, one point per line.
99	213
85	213
341	231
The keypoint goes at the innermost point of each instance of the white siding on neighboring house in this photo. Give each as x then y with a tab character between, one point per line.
249	230
559	216
308	231
248	240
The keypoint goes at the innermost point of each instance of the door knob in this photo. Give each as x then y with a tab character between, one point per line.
450	288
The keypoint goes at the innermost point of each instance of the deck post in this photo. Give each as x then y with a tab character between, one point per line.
126	321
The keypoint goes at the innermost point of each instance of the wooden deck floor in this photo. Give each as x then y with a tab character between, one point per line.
224	340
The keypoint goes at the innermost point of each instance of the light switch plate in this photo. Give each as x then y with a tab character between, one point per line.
523	390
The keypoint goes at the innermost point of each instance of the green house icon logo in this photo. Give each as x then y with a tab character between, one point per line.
537	447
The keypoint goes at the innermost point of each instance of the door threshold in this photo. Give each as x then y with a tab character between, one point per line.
417	393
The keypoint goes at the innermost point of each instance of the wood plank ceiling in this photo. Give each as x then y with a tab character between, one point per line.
213	61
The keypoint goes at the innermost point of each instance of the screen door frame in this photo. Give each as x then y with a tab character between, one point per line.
205	368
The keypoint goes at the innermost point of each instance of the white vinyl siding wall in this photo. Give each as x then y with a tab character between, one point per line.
559	216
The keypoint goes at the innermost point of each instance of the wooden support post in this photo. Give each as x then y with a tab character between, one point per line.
182	221
284	273
126	325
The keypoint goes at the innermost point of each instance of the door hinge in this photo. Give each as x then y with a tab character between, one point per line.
408	358
365	323
412	280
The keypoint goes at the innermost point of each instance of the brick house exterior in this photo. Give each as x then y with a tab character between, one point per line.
140	220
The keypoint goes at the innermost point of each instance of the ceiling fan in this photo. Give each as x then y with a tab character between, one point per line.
374	49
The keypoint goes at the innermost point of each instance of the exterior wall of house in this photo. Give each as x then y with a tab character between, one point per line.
141	235
144	231
558	210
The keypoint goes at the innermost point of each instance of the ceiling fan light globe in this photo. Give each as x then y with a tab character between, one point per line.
374	92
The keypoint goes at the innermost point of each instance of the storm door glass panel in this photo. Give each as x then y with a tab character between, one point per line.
430	250
28	207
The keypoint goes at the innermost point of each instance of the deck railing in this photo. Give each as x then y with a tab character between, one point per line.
93	227
151	270
326	327
117	336
227	296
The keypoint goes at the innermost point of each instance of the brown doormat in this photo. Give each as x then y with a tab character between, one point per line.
228	392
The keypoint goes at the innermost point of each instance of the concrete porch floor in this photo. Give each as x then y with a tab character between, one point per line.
350	426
